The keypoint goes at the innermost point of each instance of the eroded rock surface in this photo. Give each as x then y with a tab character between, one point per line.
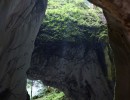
78	69
117	13
19	23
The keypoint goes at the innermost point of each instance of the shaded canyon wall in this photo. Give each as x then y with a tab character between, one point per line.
18	31
117	13
19	23
78	69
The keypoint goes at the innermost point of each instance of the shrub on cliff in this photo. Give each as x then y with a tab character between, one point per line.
72	21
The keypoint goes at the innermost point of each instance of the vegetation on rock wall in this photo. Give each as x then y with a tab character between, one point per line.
73	21
51	93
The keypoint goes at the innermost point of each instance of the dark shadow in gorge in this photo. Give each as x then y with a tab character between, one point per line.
79	69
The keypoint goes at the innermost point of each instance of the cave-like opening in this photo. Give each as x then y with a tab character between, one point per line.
71	42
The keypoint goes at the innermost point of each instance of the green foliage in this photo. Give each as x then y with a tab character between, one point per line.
54	96
71	20
51	94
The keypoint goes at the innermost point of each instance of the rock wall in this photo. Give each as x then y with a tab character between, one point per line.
78	69
18	30
117	13
19	23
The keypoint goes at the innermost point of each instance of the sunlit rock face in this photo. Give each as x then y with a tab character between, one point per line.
19	23
117	13
78	69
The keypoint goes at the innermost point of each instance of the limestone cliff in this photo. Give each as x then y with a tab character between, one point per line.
17	34
78	69
117	13
19	23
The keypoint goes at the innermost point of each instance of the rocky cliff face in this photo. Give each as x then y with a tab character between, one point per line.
14	49
117	13
78	69
19	23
